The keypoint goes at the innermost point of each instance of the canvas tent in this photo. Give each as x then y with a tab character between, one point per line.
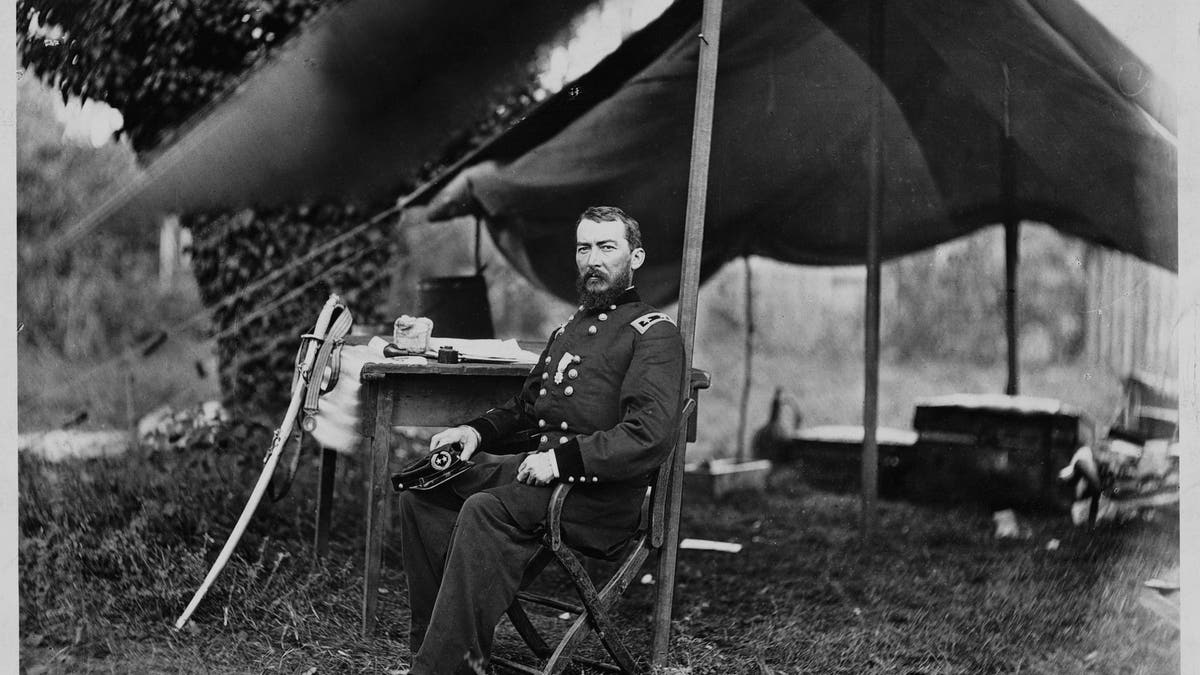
345	110
1094	152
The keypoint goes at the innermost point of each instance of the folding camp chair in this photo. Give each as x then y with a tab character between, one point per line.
593	614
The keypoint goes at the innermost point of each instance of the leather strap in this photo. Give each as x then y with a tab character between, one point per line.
327	356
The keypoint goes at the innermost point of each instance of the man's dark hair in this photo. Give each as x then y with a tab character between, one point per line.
608	214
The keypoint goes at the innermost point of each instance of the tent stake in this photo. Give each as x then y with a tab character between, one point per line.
708	42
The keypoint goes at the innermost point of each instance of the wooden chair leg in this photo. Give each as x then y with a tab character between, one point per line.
527	631
608	596
596	614
574	636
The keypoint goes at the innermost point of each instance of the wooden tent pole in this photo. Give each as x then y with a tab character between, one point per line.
875	165
1012	256
1012	243
747	364
689	287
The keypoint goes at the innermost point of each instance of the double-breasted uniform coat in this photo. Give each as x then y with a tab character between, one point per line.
604	398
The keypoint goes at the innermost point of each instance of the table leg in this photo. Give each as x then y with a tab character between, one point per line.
377	503
325	501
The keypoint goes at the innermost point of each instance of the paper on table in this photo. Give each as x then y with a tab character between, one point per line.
376	345
505	351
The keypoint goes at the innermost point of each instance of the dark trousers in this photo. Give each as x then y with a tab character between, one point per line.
466	545
464	558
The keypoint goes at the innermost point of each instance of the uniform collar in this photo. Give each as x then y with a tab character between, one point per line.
630	295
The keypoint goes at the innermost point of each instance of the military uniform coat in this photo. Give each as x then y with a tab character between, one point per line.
604	398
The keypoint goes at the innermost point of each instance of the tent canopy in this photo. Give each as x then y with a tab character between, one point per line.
370	92
1093	151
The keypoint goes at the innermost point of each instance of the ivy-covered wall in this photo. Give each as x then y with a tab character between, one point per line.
258	331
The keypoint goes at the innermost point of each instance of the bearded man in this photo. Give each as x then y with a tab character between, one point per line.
599	410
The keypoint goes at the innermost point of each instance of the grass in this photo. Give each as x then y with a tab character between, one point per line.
111	551
53	390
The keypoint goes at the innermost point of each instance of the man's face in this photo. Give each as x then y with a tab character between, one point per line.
604	261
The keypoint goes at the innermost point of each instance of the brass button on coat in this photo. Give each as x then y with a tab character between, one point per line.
569	390
572	373
591	330
563	426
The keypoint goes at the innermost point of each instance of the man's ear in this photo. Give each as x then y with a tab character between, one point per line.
637	257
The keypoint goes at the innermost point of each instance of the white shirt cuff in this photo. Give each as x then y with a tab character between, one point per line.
554	463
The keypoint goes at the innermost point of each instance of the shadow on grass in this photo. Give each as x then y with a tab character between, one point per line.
112	550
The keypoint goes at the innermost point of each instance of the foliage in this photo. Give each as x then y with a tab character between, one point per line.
157	61
57	179
89	302
506	106
949	302
81	309
259	327
54	392
206	428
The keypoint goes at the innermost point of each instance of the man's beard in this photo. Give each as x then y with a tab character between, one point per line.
592	299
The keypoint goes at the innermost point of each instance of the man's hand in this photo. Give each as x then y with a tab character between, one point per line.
464	434
537	469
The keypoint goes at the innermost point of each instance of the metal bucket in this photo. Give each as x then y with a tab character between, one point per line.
458	306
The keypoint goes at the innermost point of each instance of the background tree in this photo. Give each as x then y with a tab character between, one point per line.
83	304
157	61
949	300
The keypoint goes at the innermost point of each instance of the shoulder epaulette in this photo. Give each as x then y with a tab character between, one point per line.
644	322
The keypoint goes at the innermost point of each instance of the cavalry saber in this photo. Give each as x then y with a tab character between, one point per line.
320	331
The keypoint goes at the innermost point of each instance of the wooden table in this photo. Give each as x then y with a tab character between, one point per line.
434	395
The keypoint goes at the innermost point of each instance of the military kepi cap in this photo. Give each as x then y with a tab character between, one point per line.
440	465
